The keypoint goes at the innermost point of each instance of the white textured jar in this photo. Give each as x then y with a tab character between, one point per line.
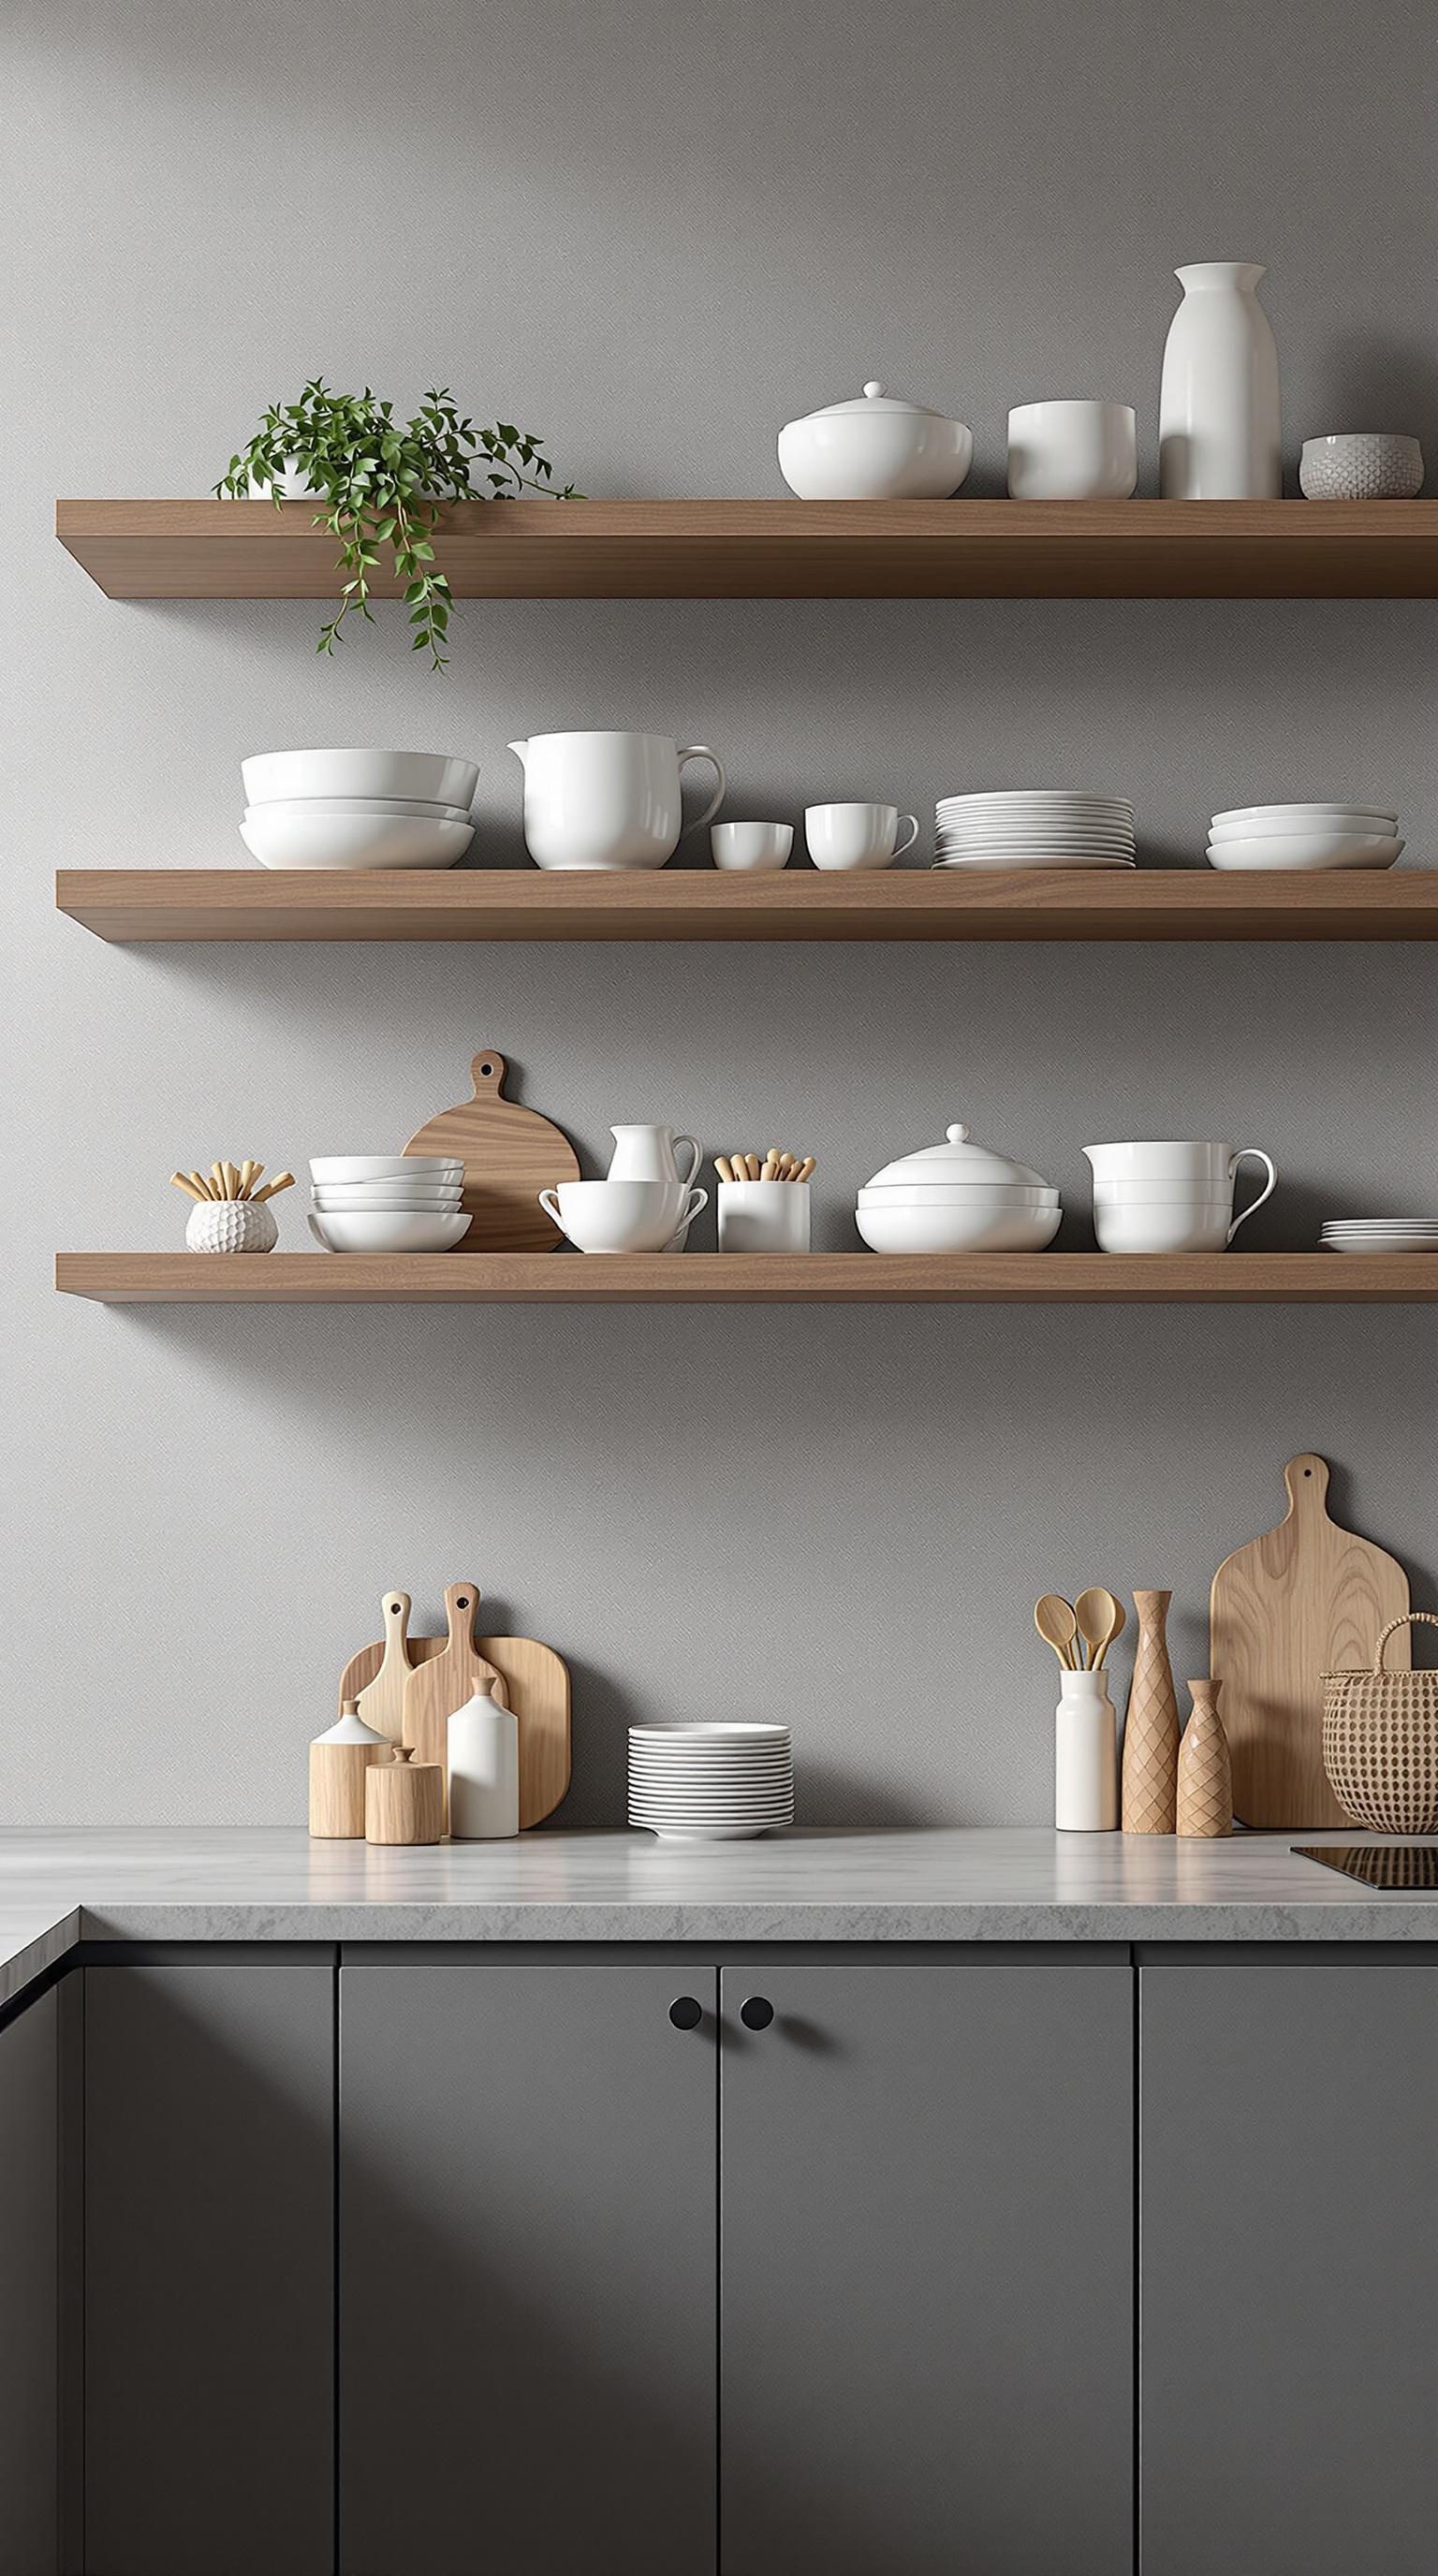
1085	1756
483	1771
1218	424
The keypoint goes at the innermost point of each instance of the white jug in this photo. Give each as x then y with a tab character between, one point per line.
607	800
648	1154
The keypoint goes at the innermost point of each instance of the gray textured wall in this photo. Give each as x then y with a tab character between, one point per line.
656	234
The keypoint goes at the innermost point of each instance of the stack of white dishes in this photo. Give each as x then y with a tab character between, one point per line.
1381	1234
957	1197
388	1203
358	809
1303	837
710	1784
1036	827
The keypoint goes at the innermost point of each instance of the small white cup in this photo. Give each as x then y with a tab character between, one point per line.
751	845
763	1216
856	836
1072	451
622	1216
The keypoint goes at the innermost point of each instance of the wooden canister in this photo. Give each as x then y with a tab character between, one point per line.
339	1762
404	1800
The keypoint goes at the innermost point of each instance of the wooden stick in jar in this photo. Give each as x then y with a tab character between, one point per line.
202	1186
807	1168
281	1181
182	1181
249	1173
723	1167
753	1166
770	1171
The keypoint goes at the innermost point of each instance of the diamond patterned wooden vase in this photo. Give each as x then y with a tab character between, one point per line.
1205	1774
1150	1735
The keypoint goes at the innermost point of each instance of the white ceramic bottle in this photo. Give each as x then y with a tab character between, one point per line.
1218	427
1085	1756
483	1771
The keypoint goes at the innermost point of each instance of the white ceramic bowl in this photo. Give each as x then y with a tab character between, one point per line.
1360	850
1361	465
436	776
1072	451
353	1203
308	808
330	1168
877	449
390	1230
1303	818
621	1216
751	845
355	1193
957	1229
1262	827
353	841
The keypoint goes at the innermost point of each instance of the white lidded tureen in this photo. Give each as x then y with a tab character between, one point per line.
876	449
957	1197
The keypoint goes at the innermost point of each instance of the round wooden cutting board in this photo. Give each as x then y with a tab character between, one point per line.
509	1155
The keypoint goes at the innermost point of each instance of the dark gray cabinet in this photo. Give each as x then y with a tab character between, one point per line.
1289	2197
209	2286
527	2233
30	2291
927	2239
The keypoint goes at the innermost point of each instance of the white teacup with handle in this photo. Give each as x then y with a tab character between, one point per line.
622	1216
1171	1197
857	835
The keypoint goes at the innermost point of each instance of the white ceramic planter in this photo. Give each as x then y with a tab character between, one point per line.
232	1225
763	1216
1072	451
1218	423
1085	1756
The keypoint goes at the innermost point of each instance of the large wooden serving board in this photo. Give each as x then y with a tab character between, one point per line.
1306	1599
536	1685
509	1155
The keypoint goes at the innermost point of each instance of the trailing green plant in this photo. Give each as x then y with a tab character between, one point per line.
381	483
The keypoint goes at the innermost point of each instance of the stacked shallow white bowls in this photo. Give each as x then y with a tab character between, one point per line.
358	809
1303	837
388	1203
957	1197
1036	827
710	1784
1381	1234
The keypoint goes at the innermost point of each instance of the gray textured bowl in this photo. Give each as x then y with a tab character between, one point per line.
1362	465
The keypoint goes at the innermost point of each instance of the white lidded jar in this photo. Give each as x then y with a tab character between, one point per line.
483	1771
1085	1756
1218	426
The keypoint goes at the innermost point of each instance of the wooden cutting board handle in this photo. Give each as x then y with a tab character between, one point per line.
381	1702
1306	1478
433	1691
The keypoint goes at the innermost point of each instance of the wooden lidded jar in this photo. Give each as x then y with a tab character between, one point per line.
404	1800
339	1761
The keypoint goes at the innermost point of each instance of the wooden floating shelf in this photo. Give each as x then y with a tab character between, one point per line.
788	549
760	1279
699	903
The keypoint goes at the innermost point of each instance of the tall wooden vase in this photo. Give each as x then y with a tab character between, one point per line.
1150	1735
1205	1774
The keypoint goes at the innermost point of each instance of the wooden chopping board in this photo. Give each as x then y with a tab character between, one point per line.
509	1155
536	1685
1306	1599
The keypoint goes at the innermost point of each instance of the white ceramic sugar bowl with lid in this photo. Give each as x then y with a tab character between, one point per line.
875	449
957	1197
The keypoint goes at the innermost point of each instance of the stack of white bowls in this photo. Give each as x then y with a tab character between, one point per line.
1303	837
957	1197
388	1203
710	1784
1036	827
358	809
1381	1234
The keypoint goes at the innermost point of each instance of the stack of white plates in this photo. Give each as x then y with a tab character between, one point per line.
1381	1234
358	809
710	1784
388	1202
1034	828
1303	837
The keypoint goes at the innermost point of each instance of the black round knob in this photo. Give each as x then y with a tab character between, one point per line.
685	2013
756	2012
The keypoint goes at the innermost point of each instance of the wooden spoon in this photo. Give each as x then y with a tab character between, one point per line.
1100	1619
1057	1624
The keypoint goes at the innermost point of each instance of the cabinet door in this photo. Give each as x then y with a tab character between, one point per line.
927	2301
527	2318
1289	2261
29	2291
209	2273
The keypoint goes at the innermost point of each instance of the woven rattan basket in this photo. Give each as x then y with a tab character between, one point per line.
1380	1742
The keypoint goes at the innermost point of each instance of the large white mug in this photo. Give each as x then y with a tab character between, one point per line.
607	800
857	835
1072	451
1169	1209
649	1154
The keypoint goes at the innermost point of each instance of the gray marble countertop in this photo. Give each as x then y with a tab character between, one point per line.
950	1884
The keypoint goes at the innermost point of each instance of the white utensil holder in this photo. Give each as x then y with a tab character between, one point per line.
763	1216
1085	1756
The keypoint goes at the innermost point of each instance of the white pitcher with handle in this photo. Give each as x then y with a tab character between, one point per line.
651	1154
608	800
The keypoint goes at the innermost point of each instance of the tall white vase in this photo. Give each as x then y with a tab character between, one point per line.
1218	432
